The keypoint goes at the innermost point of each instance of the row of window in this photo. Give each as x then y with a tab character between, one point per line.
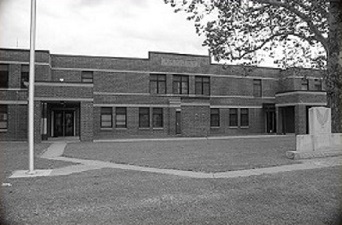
233	117
157	117
157	82
317	85
86	76
121	117
180	84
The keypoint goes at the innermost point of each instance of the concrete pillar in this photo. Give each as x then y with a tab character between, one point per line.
279	120
300	119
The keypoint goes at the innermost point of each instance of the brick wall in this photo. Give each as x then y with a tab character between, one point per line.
86	123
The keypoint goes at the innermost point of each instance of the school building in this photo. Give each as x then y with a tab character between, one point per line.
164	95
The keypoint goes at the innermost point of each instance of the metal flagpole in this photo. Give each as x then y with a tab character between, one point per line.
31	88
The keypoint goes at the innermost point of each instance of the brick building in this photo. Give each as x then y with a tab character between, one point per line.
167	94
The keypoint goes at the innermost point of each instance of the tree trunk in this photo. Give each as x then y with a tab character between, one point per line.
334	68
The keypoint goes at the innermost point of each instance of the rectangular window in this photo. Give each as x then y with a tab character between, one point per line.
233	117
3	117
158	84
3	76
202	85
180	84
87	76
157	117
106	117
318	84
25	75
257	90
214	117
244	118
121	117
305	84
144	117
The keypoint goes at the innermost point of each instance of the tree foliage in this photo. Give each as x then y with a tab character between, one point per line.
295	33
292	32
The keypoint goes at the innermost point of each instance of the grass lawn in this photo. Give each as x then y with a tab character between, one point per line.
15	156
195	155
110	196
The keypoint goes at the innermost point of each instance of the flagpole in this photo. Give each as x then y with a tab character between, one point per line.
31	88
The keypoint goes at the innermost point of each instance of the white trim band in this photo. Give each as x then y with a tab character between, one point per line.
301	92
301	103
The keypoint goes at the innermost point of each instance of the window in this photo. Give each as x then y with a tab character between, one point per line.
257	90
106	117
305	84
157	117
87	76
214	117
3	117
121	117
233	117
25	75
180	84
318	84
202	85
144	117
3	76
244	118
157	84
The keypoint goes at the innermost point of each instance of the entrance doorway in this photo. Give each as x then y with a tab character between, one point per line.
288	119
64	123
270	122
270	118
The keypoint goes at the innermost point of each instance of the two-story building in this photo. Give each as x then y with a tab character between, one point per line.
166	94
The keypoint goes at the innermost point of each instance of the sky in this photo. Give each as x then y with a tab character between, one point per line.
119	28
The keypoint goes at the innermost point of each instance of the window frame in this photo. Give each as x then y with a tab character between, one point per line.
124	112
257	87
304	84
242	119
25	73
214	112
200	82
159	79
4	118
182	79
85	78
104	113
236	121
318	84
4	71
161	114
141	115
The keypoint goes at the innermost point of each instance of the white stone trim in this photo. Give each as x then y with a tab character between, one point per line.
25	63
11	102
236	106
301	103
301	92
64	99
63	84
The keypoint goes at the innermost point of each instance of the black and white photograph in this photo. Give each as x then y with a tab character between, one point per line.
170	112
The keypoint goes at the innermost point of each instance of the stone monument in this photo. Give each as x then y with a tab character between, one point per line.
320	142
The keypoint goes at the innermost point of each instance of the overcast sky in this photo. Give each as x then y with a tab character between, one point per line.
125	28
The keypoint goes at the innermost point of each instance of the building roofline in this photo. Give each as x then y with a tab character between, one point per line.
23	50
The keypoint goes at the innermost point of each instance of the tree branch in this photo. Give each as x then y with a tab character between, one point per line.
313	28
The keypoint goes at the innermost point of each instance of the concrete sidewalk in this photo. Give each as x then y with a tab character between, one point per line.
55	151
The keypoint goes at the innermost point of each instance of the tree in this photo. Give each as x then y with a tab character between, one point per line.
307	33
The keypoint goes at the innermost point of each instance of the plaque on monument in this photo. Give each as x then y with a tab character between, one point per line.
319	120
